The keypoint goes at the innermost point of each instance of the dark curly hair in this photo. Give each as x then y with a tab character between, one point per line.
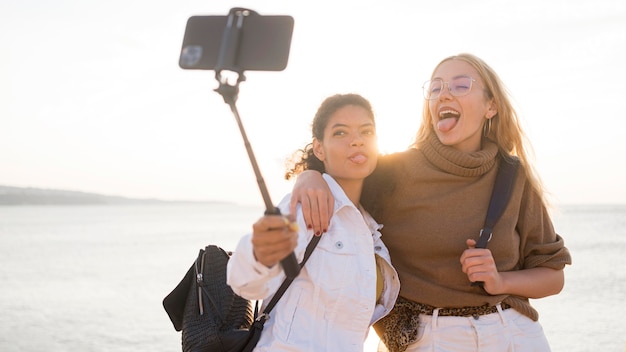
305	159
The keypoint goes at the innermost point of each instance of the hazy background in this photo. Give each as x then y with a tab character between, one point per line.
92	98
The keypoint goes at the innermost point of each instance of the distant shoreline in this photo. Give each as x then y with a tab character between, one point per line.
10	195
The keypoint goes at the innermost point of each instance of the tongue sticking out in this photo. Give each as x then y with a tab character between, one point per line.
447	124
358	159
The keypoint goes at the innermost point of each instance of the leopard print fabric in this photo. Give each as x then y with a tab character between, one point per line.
399	329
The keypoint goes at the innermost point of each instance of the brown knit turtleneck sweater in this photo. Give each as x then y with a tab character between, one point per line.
433	199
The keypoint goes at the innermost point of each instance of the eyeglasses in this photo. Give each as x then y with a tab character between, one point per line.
458	87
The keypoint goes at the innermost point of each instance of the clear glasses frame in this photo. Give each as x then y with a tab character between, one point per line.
457	87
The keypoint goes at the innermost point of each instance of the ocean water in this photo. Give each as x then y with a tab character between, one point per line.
92	278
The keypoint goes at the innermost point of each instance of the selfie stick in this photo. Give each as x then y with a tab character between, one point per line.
226	61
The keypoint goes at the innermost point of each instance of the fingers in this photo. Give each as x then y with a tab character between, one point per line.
327	212
308	204
313	193
290	222
267	222
477	264
317	208
273	238
319	212
468	257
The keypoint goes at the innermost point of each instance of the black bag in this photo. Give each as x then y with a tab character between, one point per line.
211	316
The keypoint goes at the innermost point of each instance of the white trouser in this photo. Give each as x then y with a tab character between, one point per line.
504	331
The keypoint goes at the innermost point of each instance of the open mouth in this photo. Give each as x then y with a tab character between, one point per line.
446	114
447	120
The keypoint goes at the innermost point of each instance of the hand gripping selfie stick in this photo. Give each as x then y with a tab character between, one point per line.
233	57
229	92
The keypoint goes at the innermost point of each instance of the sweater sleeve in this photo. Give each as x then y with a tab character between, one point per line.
540	245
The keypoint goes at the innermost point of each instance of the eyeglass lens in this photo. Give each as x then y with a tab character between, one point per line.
458	87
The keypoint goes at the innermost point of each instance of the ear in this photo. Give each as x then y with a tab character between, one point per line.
318	149
492	110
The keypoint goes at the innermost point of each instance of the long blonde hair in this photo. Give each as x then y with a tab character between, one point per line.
505	129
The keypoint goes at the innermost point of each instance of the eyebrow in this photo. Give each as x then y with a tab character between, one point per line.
344	125
455	77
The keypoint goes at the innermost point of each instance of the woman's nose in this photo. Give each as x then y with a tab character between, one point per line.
358	140
445	92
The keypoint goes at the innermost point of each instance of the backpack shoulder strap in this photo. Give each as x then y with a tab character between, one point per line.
502	188
500	195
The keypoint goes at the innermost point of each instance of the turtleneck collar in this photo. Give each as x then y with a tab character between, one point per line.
460	163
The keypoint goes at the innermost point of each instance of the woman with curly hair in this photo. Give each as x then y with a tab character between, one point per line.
348	282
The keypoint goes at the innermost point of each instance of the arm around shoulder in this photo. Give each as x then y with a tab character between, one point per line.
316	199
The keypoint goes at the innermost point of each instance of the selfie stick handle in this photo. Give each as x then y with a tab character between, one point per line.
228	53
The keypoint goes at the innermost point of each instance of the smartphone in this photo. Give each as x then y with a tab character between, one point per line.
263	42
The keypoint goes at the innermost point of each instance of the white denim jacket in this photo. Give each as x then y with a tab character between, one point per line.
332	303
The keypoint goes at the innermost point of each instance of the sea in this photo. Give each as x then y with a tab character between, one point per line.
92	278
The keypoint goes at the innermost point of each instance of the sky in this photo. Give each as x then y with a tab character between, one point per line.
92	98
